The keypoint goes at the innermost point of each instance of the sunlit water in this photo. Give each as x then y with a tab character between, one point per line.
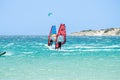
81	58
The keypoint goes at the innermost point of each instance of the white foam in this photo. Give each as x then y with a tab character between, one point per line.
9	53
93	46
8	45
50	47
113	46
92	50
40	44
27	52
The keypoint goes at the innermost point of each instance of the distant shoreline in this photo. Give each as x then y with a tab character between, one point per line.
101	32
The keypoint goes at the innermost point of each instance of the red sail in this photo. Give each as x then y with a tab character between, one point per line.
61	32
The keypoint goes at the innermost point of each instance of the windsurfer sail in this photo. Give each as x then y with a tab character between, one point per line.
61	36
52	35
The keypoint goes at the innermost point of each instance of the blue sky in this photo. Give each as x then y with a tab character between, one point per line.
30	17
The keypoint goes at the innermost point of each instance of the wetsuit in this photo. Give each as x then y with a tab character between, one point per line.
51	42
59	45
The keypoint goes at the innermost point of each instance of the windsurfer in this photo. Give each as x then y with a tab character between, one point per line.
51	42
52	36
59	38
59	45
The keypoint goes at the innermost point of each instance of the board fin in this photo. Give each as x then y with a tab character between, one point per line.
2	53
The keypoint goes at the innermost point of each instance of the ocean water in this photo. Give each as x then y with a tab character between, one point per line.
81	58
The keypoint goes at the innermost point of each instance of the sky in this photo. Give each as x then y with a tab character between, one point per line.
30	17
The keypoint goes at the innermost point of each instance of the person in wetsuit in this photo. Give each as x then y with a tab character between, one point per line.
51	42
59	45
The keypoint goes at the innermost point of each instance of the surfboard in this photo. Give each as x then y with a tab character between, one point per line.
50	47
2	53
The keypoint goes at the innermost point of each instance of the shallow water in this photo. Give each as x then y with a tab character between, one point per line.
81	58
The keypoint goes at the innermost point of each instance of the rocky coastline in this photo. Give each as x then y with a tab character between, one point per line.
102	32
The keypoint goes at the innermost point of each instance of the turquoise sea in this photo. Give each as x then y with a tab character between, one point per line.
81	58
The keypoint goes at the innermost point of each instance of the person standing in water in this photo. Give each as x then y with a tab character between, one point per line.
59	43
52	39
51	42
